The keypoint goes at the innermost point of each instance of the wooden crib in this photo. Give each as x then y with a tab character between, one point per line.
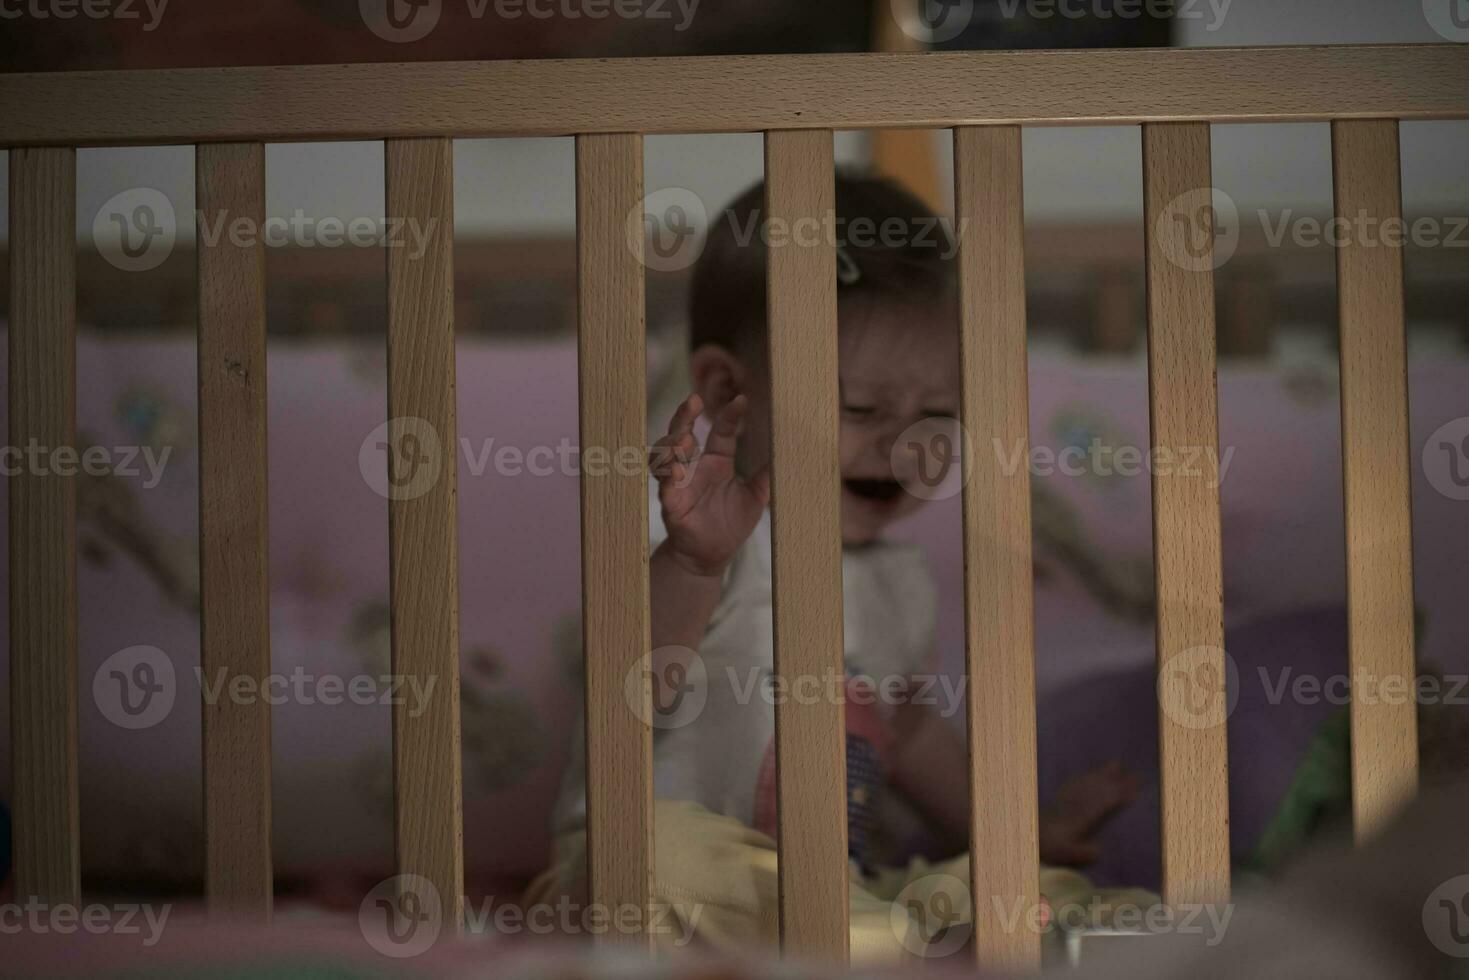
797	101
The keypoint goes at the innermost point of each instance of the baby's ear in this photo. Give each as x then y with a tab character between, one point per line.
717	376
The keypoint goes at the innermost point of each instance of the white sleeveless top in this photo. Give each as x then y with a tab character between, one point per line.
714	726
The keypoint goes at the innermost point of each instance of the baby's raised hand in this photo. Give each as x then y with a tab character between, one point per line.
1083	805
708	509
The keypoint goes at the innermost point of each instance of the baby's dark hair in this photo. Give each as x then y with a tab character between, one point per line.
891	248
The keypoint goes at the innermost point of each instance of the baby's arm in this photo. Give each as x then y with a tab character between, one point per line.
708	511
931	769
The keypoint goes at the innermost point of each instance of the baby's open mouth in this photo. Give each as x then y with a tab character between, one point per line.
883	491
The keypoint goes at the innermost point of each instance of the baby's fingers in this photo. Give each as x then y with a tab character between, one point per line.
669	455
724	436
685	415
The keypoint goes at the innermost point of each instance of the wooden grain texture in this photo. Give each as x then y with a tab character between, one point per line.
614	524
1376	463
909	156
233	564
1187	558
999	619
422	520
806	545
734	94
43	589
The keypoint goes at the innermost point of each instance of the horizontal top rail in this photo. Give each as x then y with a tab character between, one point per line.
734	94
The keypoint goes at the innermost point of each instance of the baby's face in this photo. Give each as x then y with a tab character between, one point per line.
898	367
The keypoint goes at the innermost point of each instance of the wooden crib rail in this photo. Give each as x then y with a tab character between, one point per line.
423	526
1376	461
233	564
418	109
806	546
611	371
999	621
734	94
43	544
1188	565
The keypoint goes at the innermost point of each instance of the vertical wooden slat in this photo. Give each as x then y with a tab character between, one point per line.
1375	457
998	602
422	519
908	156
43	602
614	523
235	601
1187	557
806	541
